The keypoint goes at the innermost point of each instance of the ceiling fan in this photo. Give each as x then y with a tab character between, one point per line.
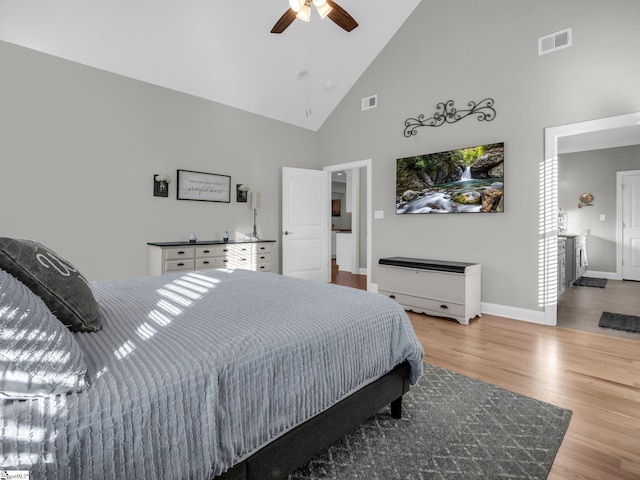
301	9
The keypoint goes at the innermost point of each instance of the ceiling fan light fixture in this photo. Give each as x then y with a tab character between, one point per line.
296	5
324	9
301	10
304	14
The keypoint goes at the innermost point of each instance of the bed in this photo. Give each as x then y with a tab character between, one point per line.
225	374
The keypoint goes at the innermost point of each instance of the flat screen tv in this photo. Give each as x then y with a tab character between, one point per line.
466	180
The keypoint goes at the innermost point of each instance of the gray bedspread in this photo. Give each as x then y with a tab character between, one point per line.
193	372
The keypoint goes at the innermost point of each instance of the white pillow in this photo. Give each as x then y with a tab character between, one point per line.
38	354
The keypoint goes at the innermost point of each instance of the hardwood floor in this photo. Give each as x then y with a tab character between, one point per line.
580	307
596	376
347	279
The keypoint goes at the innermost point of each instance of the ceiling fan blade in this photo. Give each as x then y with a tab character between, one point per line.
340	16
285	20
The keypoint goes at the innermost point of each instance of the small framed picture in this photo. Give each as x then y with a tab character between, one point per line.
241	193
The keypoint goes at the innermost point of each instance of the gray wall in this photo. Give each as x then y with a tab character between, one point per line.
594	172
465	50
79	148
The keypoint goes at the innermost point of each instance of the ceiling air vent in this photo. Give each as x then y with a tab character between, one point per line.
555	41
369	102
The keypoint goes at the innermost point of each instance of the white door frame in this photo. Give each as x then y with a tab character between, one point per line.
619	228
366	164
548	223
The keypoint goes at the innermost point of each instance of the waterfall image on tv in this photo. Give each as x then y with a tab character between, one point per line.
467	180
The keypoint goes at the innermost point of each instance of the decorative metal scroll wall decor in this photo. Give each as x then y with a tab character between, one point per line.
447	113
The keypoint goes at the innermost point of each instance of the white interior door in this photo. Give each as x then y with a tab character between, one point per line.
306	224
631	226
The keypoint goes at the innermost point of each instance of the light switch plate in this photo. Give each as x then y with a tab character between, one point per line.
378	214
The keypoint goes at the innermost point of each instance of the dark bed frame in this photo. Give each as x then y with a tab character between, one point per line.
295	448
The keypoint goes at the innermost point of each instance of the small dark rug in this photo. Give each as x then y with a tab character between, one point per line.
618	321
452	427
591	282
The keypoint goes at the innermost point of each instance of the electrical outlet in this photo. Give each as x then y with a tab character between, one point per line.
378	214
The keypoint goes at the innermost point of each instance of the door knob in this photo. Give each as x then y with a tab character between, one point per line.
287	232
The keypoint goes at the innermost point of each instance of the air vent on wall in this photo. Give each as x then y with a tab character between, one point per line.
555	41
369	102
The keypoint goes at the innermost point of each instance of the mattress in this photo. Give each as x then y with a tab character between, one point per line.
193	372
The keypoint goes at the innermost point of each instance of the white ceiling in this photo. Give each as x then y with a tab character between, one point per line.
214	49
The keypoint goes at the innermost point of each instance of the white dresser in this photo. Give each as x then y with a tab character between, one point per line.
434	287
166	257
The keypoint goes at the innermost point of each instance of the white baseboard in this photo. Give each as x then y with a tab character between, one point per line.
515	313
607	275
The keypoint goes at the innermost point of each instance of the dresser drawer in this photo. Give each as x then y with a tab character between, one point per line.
263	258
427	305
177	253
240	261
241	250
210	262
209	251
263	267
179	265
262	248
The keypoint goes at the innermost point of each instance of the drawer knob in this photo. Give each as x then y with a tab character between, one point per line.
206	251
392	296
444	307
206	262
180	252
181	264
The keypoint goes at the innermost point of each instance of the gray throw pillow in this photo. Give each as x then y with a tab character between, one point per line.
55	280
39	356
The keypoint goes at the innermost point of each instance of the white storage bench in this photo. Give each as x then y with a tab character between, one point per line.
434	287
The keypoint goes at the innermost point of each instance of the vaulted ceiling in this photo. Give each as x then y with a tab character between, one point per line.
214	49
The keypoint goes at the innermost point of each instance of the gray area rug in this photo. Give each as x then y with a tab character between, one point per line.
452	427
591	282
618	321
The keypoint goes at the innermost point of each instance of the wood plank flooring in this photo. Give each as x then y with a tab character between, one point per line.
596	376
580	307
347	279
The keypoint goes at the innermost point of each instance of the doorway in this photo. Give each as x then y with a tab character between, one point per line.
360	199
622	130
600	172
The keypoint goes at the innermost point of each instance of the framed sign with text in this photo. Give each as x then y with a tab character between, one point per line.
205	187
